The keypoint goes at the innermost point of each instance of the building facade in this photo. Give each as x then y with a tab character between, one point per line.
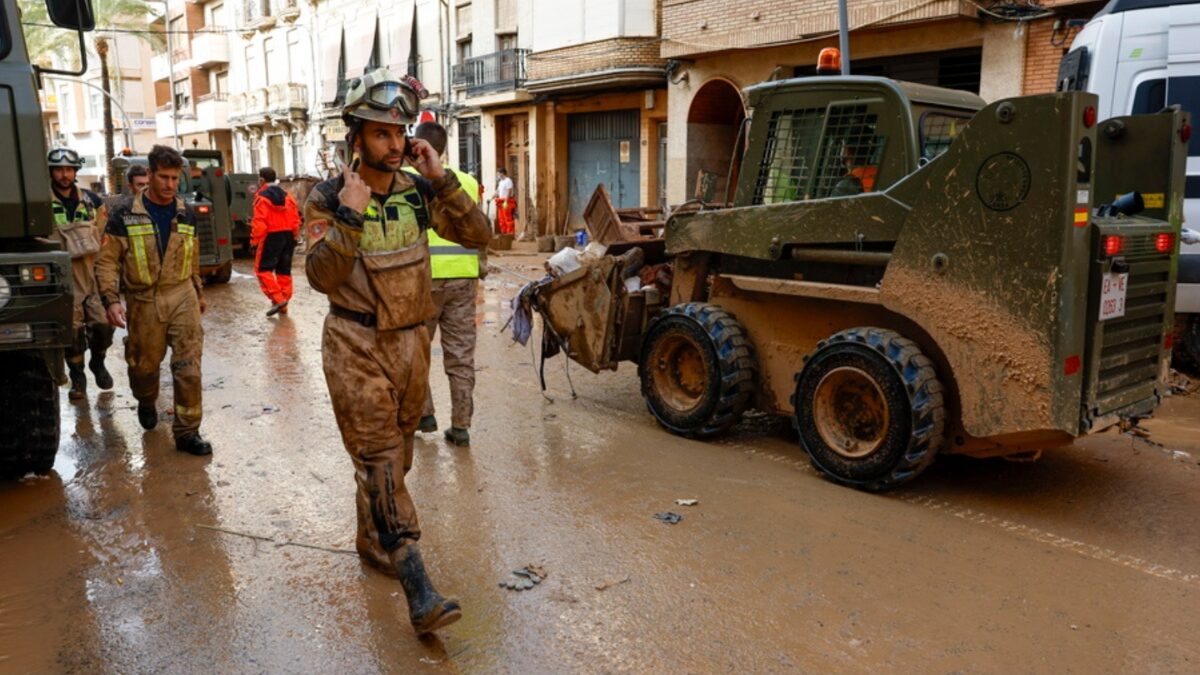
73	108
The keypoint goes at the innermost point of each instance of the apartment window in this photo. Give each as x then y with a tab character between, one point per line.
464	50
216	17
506	41
506	16
275	65
374	61
221	85
251	10
462	16
182	92
96	106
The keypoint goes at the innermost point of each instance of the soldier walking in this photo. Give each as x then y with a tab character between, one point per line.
150	246
79	217
456	273
370	256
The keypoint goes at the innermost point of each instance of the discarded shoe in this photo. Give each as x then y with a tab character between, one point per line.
277	308
458	436
427	424
78	390
193	444
148	416
529	576
99	371
427	609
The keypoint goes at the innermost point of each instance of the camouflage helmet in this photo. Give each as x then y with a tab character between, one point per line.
64	157
380	97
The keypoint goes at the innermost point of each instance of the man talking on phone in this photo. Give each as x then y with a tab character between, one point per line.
369	254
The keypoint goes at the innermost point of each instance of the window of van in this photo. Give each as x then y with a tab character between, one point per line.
1154	95
5	38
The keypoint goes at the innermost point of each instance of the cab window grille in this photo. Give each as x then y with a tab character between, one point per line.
792	138
937	131
850	152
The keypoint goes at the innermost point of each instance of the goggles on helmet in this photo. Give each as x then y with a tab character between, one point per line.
391	94
63	156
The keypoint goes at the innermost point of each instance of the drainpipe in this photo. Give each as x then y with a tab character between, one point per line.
844	35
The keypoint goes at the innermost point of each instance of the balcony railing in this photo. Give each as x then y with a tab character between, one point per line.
276	100
498	71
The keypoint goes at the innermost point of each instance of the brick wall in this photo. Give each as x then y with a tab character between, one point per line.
595	56
699	26
1041	58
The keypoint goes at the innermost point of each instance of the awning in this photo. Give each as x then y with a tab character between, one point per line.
331	54
400	43
360	39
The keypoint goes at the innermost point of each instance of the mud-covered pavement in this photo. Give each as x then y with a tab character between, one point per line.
132	557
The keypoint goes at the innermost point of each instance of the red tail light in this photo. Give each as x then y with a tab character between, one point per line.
1169	342
1112	244
1072	365
1164	242
203	209
1089	117
1185	132
222	241
219	173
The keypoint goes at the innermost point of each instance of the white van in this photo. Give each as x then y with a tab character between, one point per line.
1139	56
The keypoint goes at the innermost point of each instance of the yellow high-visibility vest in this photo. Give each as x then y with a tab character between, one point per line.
448	260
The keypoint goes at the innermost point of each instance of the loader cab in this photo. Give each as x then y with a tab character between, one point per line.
829	137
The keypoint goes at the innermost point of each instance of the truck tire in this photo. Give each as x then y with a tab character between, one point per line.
223	274
29	426
869	409
696	369
1185	357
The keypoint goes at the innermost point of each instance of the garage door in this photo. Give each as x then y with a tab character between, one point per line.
603	148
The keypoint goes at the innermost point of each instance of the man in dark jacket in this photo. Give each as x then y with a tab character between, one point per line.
274	229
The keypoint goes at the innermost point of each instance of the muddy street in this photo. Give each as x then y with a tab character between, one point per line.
132	557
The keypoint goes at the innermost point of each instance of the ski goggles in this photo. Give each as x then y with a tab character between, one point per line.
392	94
63	157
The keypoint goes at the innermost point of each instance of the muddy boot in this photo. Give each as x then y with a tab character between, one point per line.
96	365
427	424
193	444
277	308
147	416
458	436
78	390
427	609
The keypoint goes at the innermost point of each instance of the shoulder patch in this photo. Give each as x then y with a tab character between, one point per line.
317	229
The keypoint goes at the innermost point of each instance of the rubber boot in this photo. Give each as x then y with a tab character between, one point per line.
427	609
96	365
193	444
458	436
277	308
427	424
78	390
147	416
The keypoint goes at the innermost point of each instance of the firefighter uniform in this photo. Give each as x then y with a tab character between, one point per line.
162	293
456	273
79	230
374	267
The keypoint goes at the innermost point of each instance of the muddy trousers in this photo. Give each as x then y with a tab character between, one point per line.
165	319
455	303
273	266
97	337
377	383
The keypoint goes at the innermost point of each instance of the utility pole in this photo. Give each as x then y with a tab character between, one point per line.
844	35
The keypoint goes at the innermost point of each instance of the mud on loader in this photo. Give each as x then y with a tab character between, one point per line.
905	271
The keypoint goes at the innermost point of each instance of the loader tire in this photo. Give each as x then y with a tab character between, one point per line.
29	427
869	409
697	370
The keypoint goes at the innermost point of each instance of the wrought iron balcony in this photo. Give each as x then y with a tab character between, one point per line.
499	71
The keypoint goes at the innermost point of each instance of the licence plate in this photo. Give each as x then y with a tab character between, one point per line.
1112	295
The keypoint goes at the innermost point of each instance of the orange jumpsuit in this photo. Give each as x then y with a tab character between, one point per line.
273	232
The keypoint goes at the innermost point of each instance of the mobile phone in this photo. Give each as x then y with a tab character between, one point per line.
337	158
410	150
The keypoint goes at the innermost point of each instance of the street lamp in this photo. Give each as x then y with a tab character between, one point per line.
111	98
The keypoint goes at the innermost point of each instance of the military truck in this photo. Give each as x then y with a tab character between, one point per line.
905	271
239	190
213	224
35	274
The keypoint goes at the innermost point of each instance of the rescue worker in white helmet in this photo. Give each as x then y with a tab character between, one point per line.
79	217
369	254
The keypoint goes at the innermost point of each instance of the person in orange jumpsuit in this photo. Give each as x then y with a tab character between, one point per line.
505	203
274	229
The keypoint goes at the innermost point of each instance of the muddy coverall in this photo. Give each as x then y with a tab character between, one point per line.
374	267
162	294
273	232
456	274
80	231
